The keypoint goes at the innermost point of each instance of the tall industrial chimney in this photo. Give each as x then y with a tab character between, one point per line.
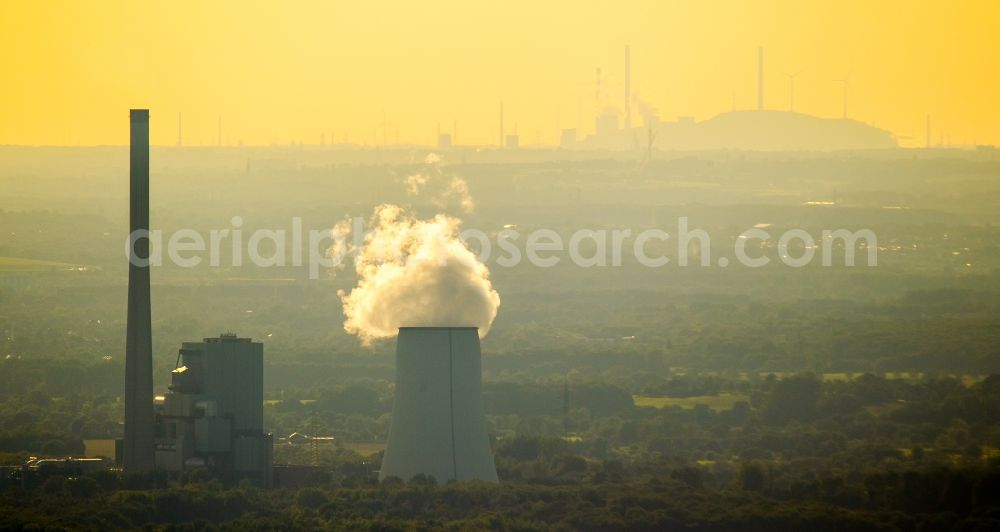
438	425
760	78
138	452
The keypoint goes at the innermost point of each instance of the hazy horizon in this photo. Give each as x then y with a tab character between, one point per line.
399	74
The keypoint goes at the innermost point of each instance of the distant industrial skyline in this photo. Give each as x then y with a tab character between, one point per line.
322	74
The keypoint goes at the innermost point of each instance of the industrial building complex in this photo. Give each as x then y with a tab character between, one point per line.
761	128
213	416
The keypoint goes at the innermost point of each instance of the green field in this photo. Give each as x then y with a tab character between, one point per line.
966	378
18	264
364	448
723	401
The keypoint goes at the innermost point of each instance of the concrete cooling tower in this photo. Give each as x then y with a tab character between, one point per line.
438	426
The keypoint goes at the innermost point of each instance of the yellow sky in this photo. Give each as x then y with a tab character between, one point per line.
291	71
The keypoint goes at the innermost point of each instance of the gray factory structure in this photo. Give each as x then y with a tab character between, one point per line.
212	416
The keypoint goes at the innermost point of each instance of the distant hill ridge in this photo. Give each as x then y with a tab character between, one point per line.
751	130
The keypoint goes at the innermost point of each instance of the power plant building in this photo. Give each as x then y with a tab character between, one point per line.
438	424
213	414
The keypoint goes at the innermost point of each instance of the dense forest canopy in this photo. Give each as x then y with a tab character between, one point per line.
617	396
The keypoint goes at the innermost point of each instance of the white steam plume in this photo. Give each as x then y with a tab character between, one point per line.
649	115
444	190
415	273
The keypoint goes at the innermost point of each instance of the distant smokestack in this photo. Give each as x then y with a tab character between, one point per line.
597	91
138	452
760	78
628	88
501	125
438	426
928	132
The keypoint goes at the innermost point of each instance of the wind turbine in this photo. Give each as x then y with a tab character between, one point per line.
385	131
791	89
846	82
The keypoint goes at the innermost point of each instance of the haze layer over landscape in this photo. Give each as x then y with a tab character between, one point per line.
564	266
